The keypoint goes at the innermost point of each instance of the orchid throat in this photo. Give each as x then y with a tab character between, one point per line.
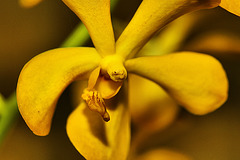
104	83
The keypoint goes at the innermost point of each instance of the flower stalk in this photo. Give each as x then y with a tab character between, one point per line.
8	114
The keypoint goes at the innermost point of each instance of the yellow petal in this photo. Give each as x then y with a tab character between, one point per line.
29	3
93	78
150	17
152	109
96	139
163	154
43	79
232	6
196	81
107	87
216	43
95	14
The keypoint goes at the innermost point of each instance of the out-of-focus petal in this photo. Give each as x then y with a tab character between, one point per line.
29	3
151	16
163	154
216	43
166	41
196	81
95	14
152	109
232	6
96	139
43	79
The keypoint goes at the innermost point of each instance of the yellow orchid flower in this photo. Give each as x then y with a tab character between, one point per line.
196	81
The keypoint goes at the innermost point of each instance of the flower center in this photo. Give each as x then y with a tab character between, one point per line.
112	67
104	83
96	103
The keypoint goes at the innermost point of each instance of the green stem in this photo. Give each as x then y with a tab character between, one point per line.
8	115
78	37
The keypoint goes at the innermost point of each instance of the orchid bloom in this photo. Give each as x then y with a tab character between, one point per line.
194	80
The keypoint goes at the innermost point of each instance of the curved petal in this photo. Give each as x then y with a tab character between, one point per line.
95	14
232	6
152	109
196	81
107	87
29	3
92	80
96	139
151	16
43	79
164	154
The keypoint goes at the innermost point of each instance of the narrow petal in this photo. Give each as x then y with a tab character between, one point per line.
95	14
151	16
43	79
29	3
93	78
152	109
196	81
96	139
232	6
